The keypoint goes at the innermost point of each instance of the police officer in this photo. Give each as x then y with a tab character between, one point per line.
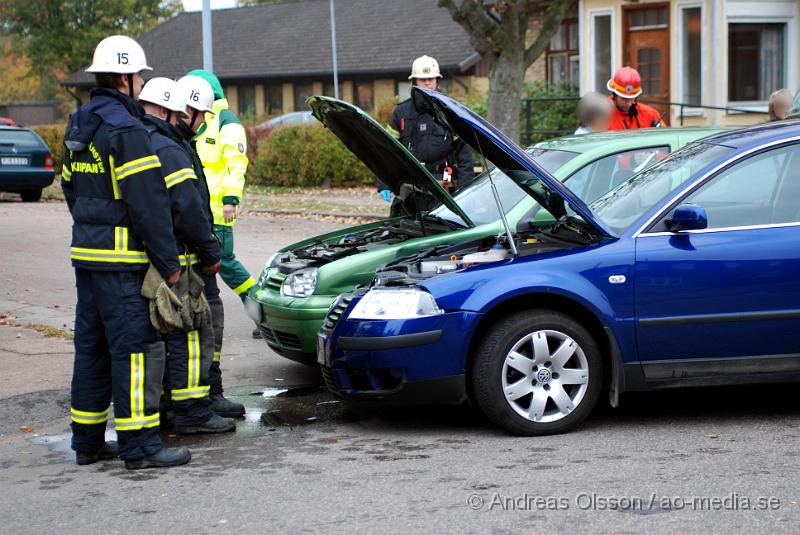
121	223
447	158
221	145
199	102
628	113
189	352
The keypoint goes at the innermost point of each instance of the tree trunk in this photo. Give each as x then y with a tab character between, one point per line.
506	76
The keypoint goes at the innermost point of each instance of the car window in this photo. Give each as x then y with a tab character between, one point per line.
625	204
761	190
603	174
18	138
550	159
477	199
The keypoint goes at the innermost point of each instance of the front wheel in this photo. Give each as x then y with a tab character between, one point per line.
537	372
31	195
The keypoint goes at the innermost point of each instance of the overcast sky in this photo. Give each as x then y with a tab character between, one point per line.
196	5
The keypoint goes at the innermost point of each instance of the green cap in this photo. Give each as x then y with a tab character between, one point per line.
211	79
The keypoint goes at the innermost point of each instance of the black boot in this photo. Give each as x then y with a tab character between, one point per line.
164	458
225	407
107	451
215	424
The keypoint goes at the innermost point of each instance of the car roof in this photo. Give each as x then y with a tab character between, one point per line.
754	136
620	139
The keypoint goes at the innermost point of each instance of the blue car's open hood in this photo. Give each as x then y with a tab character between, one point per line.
391	162
497	148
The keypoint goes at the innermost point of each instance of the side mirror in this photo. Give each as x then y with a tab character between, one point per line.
687	217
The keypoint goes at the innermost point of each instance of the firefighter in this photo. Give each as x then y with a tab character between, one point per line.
626	86
189	351
116	195
447	157
221	145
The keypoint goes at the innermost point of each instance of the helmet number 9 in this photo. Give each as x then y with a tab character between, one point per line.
122	58
195	96
166	96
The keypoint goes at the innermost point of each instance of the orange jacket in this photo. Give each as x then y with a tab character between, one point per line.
644	116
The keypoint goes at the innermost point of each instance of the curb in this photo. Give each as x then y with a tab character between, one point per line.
282	211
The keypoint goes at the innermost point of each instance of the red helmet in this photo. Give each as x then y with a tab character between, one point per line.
626	83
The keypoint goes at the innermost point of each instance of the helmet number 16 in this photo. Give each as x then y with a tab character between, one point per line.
195	96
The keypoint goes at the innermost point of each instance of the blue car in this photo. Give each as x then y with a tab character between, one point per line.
686	274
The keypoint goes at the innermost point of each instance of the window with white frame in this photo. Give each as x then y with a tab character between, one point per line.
691	55
601	61
756	62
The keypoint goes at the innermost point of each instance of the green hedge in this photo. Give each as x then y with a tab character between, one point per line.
54	137
306	155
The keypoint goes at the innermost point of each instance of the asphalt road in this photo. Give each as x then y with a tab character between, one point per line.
710	460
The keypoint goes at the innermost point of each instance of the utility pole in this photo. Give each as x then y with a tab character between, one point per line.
208	40
333	47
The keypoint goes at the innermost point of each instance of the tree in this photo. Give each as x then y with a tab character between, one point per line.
498	31
59	36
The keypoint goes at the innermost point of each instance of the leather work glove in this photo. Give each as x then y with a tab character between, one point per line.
386	195
164	305
172	280
198	305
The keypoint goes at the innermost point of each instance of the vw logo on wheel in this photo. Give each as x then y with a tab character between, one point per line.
543	375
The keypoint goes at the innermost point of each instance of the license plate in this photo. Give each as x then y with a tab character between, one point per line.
322	342
14	160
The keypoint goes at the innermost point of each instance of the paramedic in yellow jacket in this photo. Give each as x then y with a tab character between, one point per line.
222	146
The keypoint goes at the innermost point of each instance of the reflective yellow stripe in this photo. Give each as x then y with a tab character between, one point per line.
88	418
190	393
132	424
395	134
136	166
217	356
66	174
184	259
114	184
179	176
193	365
243	287
124	238
108	255
120	239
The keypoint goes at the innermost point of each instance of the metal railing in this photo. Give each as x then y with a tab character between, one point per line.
528	132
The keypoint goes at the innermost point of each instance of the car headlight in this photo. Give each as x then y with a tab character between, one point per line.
395	304
300	283
271	262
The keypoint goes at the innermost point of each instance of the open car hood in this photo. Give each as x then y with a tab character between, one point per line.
391	162
497	148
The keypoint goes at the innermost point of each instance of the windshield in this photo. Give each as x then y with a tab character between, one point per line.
624	205
19	138
477	199
550	159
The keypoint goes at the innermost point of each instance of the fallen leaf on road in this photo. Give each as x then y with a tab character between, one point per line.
19	335
713	435
26	429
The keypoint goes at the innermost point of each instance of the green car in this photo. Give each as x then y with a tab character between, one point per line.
299	282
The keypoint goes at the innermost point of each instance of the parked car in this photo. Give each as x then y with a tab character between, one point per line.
683	275
26	166
298	284
287	119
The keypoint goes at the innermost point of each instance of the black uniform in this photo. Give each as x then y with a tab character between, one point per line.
121	223
189	353
211	288
432	144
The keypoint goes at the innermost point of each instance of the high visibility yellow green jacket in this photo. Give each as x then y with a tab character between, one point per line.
222	146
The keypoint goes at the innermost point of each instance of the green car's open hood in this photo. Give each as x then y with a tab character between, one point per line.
391	162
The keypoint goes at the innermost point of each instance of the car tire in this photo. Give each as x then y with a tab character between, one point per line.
537	372
31	195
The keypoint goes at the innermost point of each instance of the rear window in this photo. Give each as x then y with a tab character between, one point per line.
551	159
19	138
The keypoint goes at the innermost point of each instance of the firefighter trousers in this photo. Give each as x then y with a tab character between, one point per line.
189	355
119	356
211	291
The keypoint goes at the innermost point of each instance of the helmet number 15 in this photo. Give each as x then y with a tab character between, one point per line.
122	58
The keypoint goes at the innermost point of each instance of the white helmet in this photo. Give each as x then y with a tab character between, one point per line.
425	67
198	92
165	93
120	55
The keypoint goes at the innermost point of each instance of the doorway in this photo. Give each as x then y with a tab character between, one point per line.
646	49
